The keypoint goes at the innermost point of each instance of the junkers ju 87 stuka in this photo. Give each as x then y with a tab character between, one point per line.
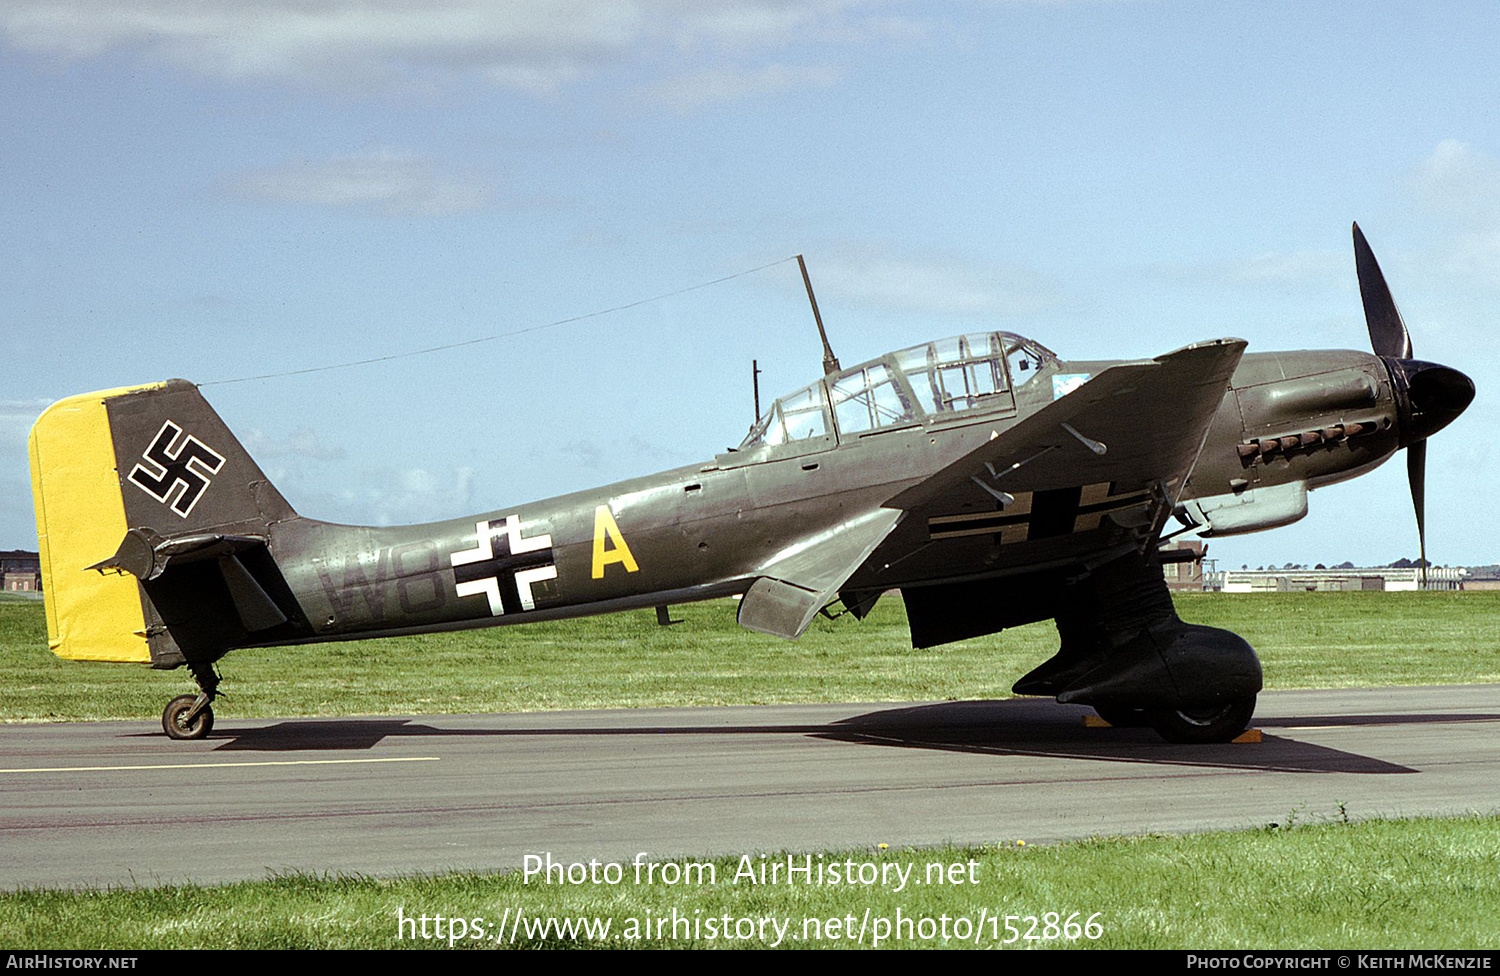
984	479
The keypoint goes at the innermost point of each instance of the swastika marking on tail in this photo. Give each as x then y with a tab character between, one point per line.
176	469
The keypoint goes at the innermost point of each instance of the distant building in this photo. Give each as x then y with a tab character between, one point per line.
20	571
1182	564
1370	578
1484	579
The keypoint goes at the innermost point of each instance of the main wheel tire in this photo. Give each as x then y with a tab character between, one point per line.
1121	717
1214	723
172	719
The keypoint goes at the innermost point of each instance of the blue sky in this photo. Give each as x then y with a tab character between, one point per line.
219	190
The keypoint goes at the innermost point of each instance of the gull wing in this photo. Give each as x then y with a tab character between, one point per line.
1137	422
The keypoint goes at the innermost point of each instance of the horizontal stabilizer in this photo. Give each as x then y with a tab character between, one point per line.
145	555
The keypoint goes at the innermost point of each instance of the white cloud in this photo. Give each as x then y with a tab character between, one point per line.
404	496
384	182
1301	269
1460	185
881	278
632	454
352	40
300	443
303	467
730	24
1294	268
713	85
537	45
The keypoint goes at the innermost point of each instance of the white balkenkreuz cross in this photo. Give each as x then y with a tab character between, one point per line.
503	566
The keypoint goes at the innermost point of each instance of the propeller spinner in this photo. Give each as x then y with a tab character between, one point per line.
1428	396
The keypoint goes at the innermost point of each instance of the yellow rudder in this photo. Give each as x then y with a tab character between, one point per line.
80	520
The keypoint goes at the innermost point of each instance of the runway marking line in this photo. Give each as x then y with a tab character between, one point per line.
1456	720
221	765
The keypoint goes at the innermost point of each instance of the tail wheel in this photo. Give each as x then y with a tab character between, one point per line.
1213	723
175	723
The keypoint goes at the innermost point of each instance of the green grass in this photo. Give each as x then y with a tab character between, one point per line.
1423	883
626	660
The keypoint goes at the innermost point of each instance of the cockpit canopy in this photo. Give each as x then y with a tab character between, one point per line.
937	379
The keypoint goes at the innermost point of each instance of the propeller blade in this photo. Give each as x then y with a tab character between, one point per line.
1416	473
1388	333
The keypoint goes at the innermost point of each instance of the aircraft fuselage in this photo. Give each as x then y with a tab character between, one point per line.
698	532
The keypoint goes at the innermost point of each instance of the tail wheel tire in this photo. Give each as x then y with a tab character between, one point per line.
172	719
1212	723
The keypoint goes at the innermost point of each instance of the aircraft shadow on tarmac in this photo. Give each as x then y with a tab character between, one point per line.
1016	727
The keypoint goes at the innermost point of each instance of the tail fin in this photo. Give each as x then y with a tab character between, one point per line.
118	472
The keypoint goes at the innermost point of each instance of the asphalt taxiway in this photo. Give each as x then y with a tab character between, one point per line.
117	803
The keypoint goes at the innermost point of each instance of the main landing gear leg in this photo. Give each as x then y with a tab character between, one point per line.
1127	653
192	716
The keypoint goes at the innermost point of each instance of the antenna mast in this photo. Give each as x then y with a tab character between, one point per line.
830	361
755	381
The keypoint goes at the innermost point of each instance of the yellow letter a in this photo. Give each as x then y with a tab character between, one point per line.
604	530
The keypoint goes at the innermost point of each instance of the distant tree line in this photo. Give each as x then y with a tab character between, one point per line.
1402	563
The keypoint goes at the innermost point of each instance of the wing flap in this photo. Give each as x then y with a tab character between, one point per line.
803	578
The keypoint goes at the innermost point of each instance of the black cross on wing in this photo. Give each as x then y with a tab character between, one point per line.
1042	514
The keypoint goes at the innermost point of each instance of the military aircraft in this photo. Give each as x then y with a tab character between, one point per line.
987	481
